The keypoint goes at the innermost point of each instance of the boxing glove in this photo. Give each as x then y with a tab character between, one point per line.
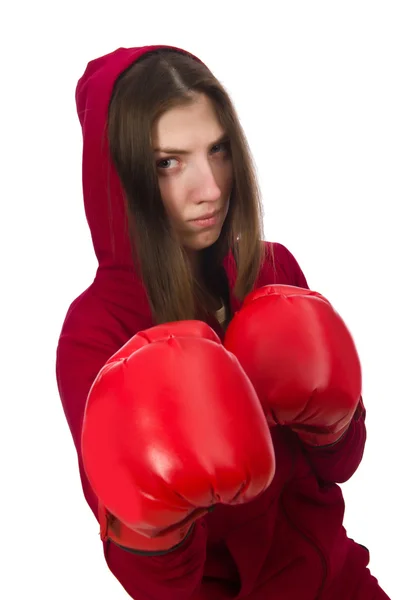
301	359
172	426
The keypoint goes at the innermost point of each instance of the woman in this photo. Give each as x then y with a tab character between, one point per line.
173	207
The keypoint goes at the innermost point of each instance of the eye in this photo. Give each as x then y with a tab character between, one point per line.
222	147
164	163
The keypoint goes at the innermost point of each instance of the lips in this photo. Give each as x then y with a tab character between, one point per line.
207	216
207	222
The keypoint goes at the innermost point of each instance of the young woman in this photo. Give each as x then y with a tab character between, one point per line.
206	481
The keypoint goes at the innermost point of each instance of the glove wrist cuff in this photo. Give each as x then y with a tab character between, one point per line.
112	529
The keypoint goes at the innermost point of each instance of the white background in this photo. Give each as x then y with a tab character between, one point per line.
314	84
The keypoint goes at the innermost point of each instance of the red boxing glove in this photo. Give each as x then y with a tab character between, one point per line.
301	359
172	426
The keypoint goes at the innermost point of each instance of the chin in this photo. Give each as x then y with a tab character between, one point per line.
204	240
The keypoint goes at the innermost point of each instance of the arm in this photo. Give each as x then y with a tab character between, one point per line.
172	576
338	462
82	351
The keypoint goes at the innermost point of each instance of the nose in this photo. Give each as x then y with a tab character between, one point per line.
206	187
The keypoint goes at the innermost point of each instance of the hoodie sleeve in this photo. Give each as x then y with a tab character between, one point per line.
88	339
338	462
176	575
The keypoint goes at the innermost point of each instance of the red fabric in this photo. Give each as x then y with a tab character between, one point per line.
290	542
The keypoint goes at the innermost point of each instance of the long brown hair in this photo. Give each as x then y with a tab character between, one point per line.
157	82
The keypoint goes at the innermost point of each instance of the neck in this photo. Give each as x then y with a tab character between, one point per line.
194	258
195	265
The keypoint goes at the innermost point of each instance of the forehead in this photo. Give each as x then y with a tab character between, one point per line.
185	125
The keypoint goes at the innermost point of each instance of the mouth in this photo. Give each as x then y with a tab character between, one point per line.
208	220
206	217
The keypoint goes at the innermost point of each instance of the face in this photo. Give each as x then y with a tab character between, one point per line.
194	171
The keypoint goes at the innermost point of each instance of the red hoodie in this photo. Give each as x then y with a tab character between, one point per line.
287	544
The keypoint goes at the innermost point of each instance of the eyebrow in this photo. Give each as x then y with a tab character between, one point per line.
223	138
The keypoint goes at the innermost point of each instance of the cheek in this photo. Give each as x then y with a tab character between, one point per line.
226	177
172	196
230	176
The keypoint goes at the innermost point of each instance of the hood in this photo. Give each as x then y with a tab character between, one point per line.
103	198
